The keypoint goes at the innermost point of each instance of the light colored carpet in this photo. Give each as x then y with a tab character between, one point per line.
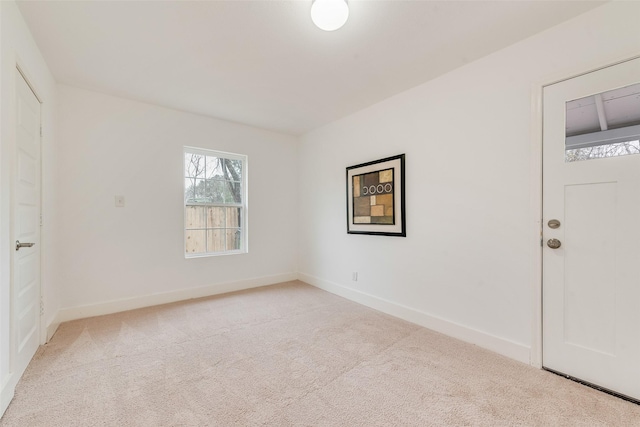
287	355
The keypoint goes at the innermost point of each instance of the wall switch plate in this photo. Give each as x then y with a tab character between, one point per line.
354	276
119	201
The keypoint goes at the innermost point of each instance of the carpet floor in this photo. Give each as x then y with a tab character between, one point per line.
287	355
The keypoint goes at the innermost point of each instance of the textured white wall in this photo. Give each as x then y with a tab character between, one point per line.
18	47
111	146
467	261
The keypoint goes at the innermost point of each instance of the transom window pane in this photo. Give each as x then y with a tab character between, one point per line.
214	195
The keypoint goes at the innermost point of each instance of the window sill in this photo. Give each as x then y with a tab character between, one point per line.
214	254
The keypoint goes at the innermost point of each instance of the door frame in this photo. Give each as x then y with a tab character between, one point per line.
536	167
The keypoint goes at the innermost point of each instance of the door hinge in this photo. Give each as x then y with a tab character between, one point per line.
40	220
41	306
40	131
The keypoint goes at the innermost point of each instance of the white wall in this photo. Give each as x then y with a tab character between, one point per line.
466	266
19	48
120	258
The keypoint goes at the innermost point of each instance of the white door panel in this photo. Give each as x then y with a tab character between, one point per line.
591	283
590	225
26	229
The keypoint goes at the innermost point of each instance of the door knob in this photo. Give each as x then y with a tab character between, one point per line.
23	245
554	243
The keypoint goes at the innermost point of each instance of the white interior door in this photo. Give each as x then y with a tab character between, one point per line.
591	283
26	229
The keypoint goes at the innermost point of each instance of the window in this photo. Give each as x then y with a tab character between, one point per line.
603	125
215	199
601	151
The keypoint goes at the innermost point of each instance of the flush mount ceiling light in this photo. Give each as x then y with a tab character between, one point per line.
329	15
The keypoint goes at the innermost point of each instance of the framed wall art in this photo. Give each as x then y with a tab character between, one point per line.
375	197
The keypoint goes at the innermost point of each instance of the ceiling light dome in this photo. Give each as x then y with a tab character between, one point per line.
329	15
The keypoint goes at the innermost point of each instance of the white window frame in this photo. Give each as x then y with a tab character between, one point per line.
244	240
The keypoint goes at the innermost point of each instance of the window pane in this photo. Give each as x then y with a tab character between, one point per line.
215	191
194	165
214	169
196	241
233	217
233	192
235	169
189	186
603	125
233	239
200	195
215	217
215	240
602	151
195	217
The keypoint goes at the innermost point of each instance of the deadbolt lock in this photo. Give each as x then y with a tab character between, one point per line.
553	223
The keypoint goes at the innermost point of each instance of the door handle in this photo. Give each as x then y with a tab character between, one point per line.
554	243
23	245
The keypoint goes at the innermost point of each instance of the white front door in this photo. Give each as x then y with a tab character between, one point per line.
591	283
26	229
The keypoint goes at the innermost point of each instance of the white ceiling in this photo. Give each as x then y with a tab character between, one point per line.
264	63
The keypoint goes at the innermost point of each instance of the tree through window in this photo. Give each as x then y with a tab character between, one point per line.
215	202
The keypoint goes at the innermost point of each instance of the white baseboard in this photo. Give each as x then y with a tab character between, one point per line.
52	328
6	393
499	345
116	306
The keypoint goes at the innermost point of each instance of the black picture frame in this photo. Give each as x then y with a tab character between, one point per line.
375	197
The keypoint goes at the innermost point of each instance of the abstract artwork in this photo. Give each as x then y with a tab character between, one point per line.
375	197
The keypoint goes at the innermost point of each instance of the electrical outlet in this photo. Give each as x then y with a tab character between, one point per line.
119	201
354	276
